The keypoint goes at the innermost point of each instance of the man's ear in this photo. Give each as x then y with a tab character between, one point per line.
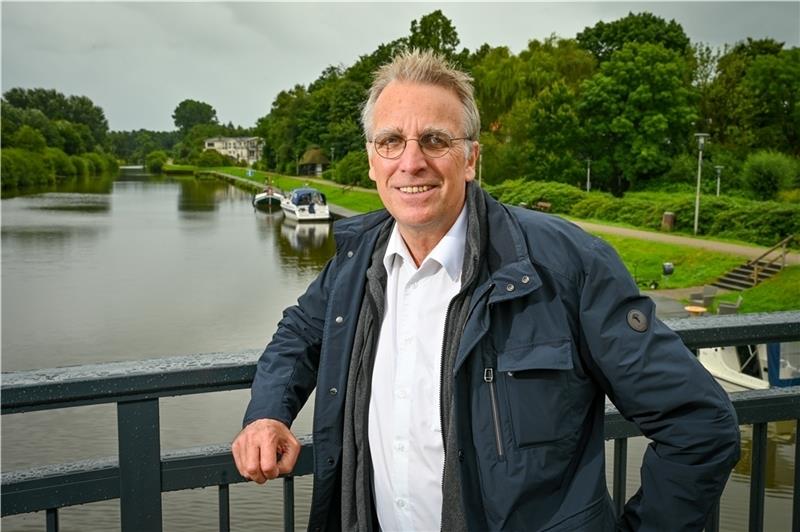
472	161
371	168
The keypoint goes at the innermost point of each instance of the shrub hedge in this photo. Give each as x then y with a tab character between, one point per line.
759	222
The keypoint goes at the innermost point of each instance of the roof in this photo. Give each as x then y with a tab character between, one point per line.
314	156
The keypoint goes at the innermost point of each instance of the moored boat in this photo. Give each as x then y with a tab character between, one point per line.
753	367
305	204
268	199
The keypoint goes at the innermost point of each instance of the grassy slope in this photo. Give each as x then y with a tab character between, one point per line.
782	292
693	266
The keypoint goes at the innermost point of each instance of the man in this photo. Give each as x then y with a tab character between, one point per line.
462	351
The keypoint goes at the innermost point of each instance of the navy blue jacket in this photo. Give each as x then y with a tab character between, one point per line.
560	324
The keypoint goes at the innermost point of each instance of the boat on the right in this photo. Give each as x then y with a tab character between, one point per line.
753	367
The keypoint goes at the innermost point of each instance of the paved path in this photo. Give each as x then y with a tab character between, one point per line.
713	245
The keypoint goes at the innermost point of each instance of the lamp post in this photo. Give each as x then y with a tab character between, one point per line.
701	140
718	168
588	175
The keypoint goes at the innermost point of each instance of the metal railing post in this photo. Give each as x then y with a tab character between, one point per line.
796	494
52	520
224	508
620	466
757	477
288	504
139	465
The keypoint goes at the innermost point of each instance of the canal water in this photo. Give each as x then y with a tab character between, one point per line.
141	267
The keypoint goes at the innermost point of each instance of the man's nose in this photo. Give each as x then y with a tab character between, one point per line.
412	160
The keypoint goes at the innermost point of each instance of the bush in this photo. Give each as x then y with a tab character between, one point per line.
60	162
23	168
80	165
155	161
99	164
212	158
27	138
766	172
520	191
760	222
352	169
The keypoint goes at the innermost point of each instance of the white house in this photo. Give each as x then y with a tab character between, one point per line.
246	149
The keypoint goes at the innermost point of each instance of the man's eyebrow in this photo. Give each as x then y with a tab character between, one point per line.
388	131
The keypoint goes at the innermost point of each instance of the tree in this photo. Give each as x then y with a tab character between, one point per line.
603	39
766	172
55	106
155	161
29	139
434	32
190	113
637	112
769	102
721	108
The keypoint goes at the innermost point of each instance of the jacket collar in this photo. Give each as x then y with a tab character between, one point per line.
511	272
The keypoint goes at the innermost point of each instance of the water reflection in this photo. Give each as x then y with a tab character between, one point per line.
780	457
305	245
200	195
76	185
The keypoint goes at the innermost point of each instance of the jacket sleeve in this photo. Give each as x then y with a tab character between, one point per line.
656	382
286	372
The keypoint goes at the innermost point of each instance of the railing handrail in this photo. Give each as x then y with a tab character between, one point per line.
45	389
770	250
34	489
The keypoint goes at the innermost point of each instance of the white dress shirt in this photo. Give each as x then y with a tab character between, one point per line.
405	433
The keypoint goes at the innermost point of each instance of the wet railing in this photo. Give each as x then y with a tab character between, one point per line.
143	471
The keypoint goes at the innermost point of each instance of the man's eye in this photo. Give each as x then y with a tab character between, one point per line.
389	142
435	141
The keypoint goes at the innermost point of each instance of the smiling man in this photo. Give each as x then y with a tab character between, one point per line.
462	351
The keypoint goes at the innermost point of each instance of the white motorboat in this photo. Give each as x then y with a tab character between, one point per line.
305	204
753	367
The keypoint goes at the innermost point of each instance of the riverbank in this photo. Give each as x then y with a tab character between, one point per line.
779	293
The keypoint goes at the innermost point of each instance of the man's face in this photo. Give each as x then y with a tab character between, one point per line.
423	194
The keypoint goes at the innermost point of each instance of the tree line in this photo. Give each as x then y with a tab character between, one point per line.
47	136
621	100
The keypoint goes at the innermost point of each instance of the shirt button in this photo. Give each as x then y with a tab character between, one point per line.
333	391
400	394
401	503
399	446
460	455
349	254
339	319
509	287
525	279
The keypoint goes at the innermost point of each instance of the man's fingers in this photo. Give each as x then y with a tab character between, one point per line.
268	463
253	463
289	455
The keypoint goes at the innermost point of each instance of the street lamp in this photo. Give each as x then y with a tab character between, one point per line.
588	175
718	168
701	140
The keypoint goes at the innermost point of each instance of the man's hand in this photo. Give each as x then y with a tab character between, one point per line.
256	449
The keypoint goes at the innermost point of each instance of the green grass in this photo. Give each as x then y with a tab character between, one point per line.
693	266
178	169
359	200
782	292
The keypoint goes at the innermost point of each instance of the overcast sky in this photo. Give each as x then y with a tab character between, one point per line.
138	60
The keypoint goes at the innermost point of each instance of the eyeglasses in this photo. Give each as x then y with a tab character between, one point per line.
435	145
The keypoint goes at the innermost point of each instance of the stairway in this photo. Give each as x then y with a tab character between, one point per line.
741	277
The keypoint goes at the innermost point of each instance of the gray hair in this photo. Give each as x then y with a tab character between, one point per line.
425	67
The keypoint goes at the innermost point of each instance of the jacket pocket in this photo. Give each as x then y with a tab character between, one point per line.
536	379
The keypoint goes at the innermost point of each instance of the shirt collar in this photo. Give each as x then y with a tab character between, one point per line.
449	252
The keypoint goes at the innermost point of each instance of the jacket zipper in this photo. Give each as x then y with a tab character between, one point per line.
488	378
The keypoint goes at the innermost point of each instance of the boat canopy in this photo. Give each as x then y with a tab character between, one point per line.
308	196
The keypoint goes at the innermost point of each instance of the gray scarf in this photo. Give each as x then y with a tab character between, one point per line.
357	504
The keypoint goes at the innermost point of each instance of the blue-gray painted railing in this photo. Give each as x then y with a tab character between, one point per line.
143	471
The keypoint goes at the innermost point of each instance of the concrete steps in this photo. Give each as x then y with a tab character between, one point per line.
742	277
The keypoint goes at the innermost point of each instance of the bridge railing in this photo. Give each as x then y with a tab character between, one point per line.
142	471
